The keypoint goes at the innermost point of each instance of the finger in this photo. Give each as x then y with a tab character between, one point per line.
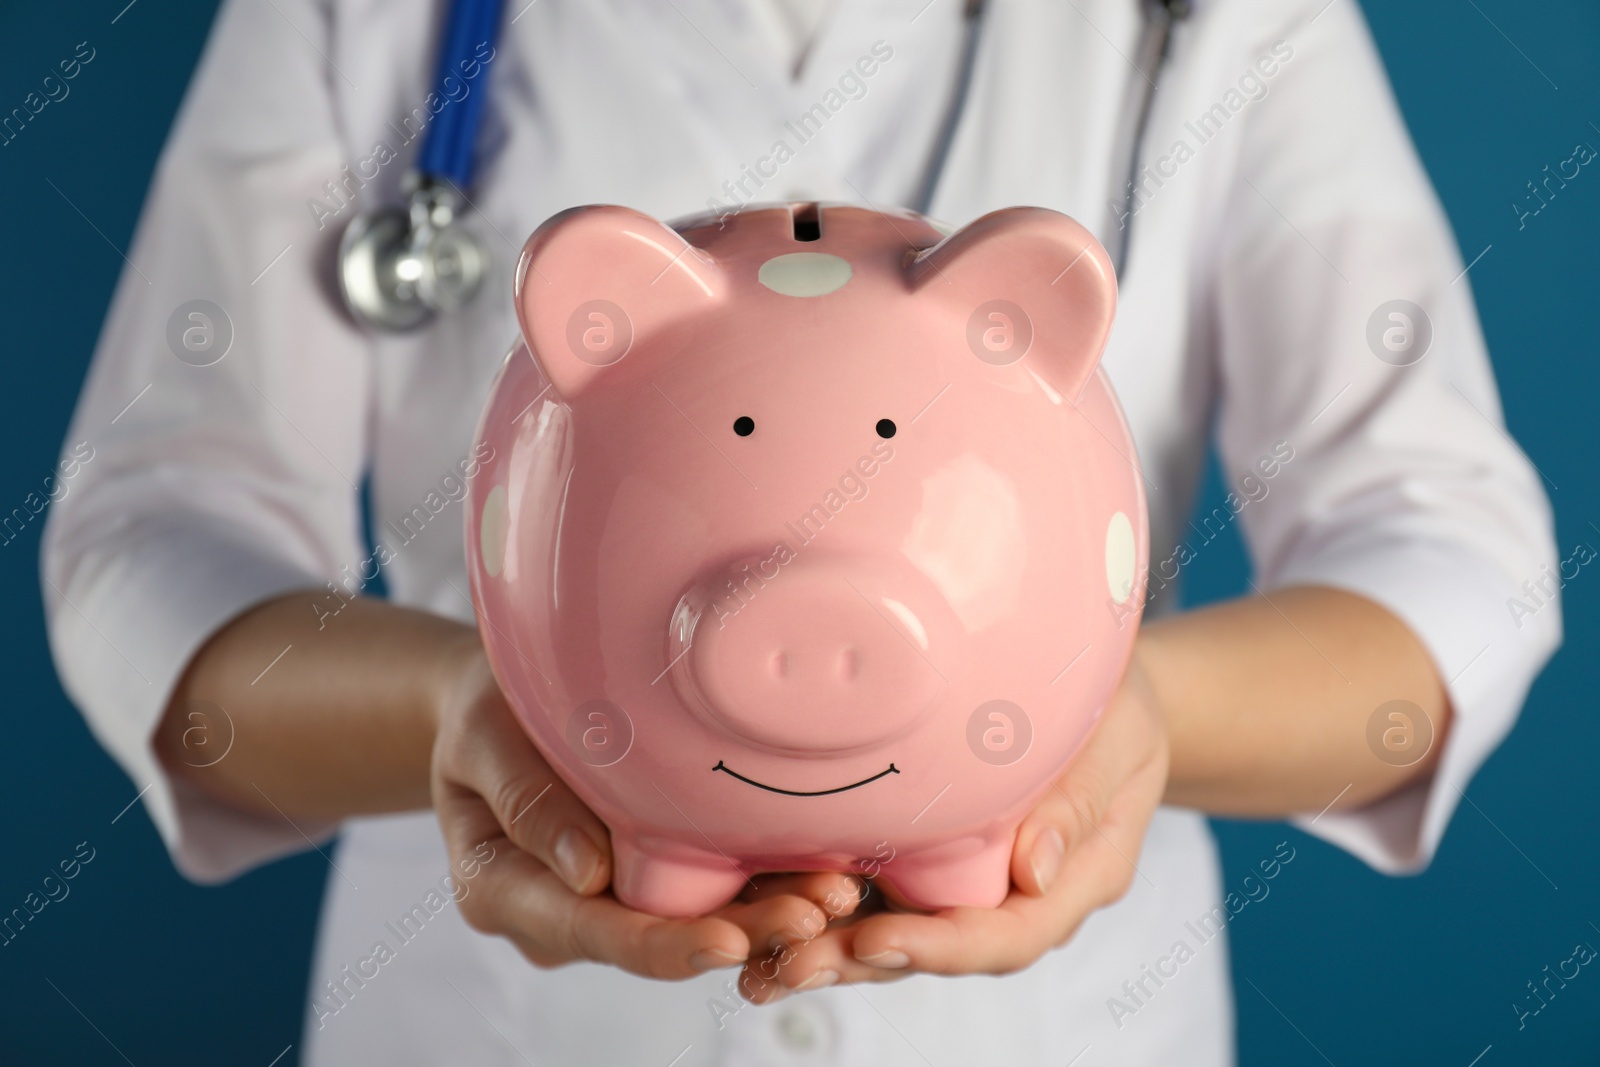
522	899
1008	938
518	897
465	820
1055	824
607	931
536	810
1071	811
820	962
834	892
960	941
776	920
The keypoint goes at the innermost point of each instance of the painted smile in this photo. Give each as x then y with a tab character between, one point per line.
795	793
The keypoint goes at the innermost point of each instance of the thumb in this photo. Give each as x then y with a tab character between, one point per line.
536	810
1066	817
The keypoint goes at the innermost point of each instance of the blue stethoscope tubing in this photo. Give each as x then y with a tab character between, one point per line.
447	149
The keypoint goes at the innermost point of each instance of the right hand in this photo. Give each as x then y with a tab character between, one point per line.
544	888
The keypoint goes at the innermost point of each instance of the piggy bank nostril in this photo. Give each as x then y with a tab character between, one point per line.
778	664
849	664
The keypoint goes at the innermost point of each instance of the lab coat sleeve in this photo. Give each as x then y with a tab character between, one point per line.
213	488
1404	485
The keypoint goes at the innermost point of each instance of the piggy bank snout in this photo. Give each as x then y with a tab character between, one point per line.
815	659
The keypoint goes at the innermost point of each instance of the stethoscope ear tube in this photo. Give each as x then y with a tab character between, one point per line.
972	26
1159	17
399	267
1155	41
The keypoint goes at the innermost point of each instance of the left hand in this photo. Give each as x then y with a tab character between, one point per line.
1074	853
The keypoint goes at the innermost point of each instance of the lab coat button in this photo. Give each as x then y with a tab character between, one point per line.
798	1029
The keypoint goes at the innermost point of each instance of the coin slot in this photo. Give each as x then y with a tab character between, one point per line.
807	222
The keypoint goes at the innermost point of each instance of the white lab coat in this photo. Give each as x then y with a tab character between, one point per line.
1258	257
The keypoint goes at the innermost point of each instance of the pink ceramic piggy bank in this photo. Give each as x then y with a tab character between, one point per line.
812	539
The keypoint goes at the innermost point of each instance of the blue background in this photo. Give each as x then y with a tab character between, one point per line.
1359	969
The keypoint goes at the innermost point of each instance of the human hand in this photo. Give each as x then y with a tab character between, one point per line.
1073	854
544	888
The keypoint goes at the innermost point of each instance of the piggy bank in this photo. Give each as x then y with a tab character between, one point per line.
811	539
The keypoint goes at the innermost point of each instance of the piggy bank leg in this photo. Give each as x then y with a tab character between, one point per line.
953	877
681	885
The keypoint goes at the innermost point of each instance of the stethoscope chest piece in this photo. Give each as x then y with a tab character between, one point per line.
401	266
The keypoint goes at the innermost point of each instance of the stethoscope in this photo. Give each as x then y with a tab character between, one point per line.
399	267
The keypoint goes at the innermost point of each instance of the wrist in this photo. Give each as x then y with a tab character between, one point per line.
1166	659
1147	682
1143	674
460	670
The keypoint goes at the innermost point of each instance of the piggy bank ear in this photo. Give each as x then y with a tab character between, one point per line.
595	283
1032	284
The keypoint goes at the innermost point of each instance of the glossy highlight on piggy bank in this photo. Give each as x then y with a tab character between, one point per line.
812	537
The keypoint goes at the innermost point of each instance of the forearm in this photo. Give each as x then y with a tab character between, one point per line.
1267	700
329	716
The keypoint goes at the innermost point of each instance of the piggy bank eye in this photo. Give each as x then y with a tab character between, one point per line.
885	427
744	426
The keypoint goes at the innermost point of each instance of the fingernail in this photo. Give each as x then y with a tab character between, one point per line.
751	987
709	959
769	992
576	858
890	958
1047	853
820	980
